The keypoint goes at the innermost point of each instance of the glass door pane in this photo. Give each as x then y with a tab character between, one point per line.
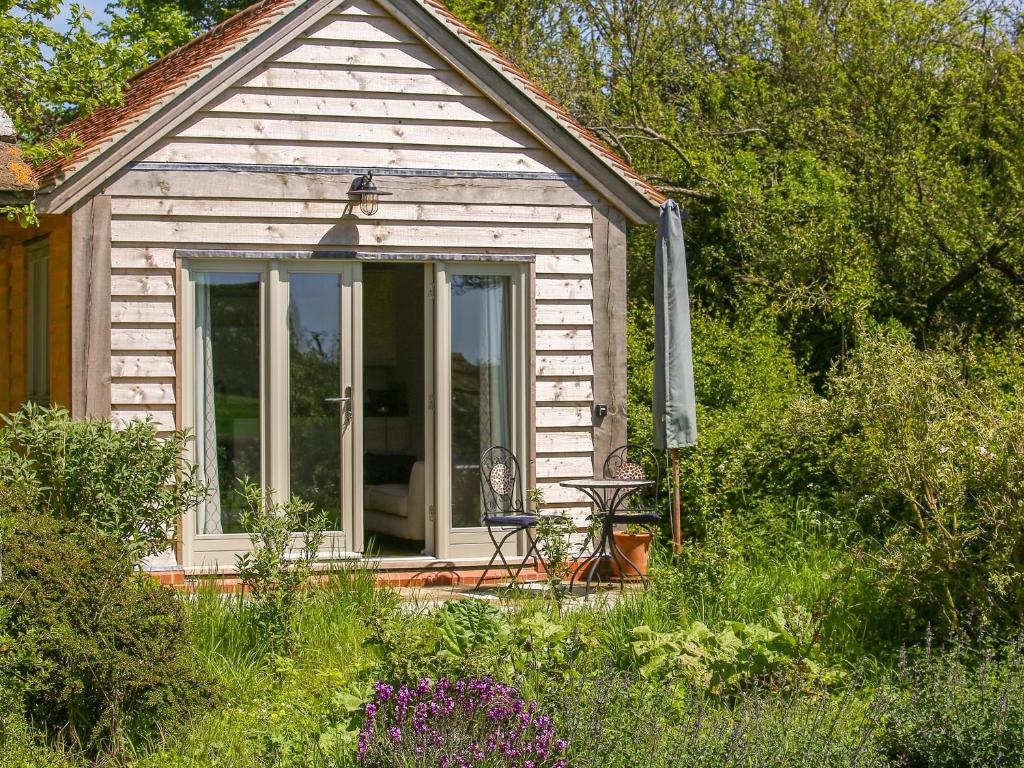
481	371
317	417
227	396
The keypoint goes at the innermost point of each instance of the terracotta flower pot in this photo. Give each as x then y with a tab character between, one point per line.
634	546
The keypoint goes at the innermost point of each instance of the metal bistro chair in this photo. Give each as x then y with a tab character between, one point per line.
631	462
635	462
502	499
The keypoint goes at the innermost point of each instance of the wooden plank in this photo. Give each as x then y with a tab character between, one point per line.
360	8
163	417
564	467
142	284
367	28
557	494
322	186
142	258
135	311
332	211
344	79
350	232
564	339
90	308
565	264
561	288
609	330
395	155
315	50
564	314
565	365
142	339
463	109
564	391
142	393
565	442
563	416
142	366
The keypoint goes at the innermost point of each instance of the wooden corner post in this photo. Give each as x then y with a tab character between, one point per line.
609	330
90	308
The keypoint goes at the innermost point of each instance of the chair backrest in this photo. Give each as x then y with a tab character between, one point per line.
499	483
634	462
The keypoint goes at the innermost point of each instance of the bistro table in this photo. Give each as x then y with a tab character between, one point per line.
608	495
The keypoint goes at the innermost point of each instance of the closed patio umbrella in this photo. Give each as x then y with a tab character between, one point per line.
674	401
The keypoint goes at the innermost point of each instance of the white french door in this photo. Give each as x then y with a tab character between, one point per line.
272	360
481	365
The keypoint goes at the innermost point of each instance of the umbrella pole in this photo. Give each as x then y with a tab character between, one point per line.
677	536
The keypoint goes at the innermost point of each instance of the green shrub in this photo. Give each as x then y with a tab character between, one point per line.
116	481
932	465
286	539
103	653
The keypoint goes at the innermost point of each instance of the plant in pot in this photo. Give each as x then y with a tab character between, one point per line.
634	542
553	532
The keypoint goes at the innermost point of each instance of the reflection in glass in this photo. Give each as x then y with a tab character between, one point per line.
481	376
227	364
314	371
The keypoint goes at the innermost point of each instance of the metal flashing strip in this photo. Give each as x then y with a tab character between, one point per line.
350	170
215	253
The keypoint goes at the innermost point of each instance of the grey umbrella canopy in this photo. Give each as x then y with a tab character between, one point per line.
675	404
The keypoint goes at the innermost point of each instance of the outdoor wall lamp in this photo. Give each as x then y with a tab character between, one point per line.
364	190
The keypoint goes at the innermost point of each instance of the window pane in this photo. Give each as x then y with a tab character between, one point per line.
314	371
481	382
227	308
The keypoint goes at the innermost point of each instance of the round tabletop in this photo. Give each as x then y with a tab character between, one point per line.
604	482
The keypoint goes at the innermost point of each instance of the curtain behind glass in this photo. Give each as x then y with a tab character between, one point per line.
480	375
208	512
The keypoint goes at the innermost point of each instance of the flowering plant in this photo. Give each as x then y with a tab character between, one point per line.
472	723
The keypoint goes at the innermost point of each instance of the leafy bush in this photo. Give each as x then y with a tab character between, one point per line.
103	655
457	724
745	378
932	465
127	483
286	539
739	656
959	708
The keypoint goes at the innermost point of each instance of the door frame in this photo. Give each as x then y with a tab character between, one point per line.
472	543
216	552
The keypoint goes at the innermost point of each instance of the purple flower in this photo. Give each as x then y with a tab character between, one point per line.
463	723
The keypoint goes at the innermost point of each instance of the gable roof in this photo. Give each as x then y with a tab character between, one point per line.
182	70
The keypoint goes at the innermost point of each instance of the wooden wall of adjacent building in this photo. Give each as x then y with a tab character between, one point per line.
13	310
360	90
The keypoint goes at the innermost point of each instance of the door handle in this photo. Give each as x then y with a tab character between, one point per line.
346	399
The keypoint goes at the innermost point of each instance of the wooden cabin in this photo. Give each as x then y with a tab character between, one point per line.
203	260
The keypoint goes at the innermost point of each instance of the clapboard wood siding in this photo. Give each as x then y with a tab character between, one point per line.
359	90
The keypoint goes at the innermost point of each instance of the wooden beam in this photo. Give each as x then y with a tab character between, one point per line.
90	308
609	331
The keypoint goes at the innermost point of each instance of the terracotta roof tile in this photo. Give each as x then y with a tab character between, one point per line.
184	65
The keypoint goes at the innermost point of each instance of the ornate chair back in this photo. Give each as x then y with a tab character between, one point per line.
635	462
499	483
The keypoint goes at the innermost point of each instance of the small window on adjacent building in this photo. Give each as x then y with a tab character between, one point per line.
37	326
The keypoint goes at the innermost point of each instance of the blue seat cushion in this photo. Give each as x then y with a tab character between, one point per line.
638	517
524	521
